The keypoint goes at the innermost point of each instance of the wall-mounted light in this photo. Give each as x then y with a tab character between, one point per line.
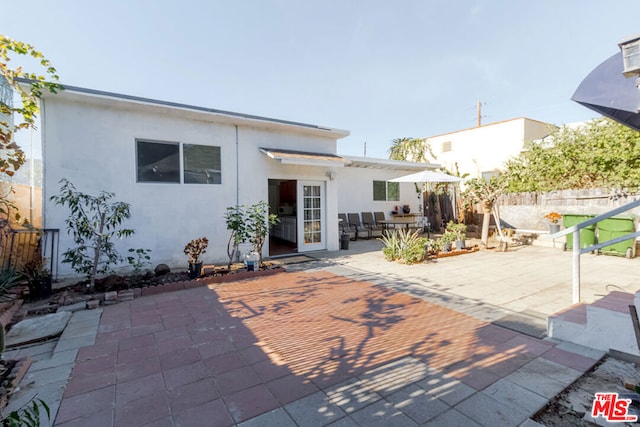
331	175
630	48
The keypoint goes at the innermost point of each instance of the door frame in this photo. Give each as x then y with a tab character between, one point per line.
322	245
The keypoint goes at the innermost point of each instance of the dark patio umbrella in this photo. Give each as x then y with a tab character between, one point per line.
608	92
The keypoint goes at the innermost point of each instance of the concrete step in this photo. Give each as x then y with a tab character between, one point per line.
605	324
576	313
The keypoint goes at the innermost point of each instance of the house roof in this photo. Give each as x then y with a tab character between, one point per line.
487	125
221	115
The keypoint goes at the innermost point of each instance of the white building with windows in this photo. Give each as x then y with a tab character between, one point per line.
482	151
181	166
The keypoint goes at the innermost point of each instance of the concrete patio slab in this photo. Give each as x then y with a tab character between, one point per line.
37	329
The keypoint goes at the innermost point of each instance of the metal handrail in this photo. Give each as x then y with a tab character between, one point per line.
577	251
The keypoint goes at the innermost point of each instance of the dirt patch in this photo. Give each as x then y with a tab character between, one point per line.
573	406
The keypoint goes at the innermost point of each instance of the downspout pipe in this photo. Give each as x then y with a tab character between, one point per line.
237	169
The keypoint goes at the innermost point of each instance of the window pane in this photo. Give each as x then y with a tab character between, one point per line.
201	164
379	190
158	162
393	191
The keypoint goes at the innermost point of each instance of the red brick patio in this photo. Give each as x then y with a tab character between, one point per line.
229	352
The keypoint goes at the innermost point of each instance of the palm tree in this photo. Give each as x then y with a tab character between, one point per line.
413	149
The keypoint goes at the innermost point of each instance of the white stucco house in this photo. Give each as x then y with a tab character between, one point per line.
482	151
181	166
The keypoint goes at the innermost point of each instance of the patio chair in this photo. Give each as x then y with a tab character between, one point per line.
380	216
345	228
369	222
361	230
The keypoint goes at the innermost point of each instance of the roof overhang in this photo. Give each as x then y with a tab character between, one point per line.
373	163
305	158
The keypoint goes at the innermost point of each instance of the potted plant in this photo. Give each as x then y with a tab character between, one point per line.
194	249
553	218
460	231
39	279
446	240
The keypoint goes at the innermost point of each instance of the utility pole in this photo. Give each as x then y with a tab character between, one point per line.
479	113
365	149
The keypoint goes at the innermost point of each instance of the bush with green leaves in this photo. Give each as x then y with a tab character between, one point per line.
459	229
600	154
28	415
415	251
94	222
138	258
433	247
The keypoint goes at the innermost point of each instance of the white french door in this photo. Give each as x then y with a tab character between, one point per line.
311	216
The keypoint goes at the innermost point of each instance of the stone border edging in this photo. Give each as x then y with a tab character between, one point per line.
204	281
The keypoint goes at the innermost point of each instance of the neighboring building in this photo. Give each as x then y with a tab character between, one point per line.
482	151
181	166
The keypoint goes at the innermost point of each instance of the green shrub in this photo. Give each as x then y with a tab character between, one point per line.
415	250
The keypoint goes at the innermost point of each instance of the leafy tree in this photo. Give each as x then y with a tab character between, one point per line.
235	220
601	154
248	223
259	223
22	116
486	193
25	113
94	222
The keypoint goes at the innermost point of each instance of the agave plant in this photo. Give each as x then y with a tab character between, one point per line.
8	279
405	245
391	248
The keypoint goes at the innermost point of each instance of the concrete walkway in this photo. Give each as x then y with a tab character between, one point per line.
329	346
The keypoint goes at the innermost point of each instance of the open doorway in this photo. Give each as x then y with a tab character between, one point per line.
283	238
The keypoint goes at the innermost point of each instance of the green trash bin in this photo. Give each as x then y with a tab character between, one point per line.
587	234
613	227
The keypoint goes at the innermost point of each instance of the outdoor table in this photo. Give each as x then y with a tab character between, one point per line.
406	221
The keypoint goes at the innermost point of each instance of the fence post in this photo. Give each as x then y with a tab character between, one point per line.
576	266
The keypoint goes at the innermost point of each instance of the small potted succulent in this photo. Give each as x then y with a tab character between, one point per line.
194	249
553	218
39	279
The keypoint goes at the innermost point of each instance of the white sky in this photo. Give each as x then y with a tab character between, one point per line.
380	69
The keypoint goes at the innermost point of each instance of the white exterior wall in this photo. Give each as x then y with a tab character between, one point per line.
355	193
91	141
486	148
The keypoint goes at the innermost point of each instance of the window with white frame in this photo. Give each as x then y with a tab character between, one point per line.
386	191
160	162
